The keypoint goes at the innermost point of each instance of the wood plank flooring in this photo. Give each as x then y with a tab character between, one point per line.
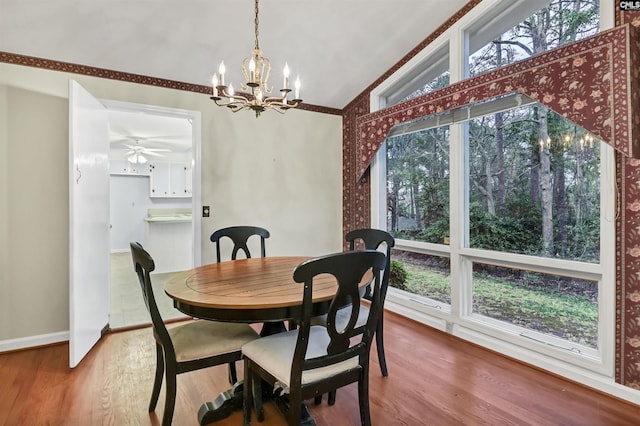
434	379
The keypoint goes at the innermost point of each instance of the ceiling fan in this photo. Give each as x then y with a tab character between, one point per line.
135	153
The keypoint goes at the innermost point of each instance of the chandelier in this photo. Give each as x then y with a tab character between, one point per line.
255	94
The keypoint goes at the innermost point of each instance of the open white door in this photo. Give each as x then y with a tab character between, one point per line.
89	221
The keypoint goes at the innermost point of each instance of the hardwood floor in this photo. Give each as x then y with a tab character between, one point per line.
434	379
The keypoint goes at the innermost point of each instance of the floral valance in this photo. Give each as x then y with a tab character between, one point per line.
594	82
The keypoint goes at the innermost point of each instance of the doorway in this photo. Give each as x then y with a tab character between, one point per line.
144	139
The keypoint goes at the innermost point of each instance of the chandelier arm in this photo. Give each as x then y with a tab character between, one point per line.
273	99
223	93
227	103
290	102
238	101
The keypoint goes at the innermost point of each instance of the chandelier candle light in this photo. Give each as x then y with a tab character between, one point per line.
255	93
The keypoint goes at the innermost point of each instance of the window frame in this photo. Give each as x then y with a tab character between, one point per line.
457	318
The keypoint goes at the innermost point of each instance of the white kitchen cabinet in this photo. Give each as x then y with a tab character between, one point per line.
124	167
180	180
170	180
159	182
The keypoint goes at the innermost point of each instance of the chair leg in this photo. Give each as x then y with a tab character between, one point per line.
257	398
363	397
170	397
233	376
317	399
331	398
247	394
294	414
157	381
380	346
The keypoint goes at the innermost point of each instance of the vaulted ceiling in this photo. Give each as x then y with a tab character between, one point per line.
337	47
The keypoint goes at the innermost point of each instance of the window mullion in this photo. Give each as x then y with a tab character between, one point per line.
460	269
460	296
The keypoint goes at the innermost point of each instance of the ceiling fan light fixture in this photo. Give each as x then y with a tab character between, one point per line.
137	159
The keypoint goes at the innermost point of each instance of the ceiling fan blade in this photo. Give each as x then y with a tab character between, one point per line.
119	140
156	150
167	137
154	154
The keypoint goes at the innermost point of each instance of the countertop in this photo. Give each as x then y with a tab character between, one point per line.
162	219
168	215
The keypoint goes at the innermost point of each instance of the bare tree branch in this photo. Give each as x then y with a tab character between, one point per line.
515	43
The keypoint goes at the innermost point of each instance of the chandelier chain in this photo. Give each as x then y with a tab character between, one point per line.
257	22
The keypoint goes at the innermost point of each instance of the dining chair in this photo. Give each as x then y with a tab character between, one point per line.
239	235
187	347
311	360
371	239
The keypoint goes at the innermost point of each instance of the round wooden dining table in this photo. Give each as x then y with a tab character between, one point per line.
251	290
255	290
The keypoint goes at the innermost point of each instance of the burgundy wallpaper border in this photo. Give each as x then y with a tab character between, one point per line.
588	82
627	337
31	61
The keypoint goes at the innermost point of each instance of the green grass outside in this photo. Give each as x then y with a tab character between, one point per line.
559	314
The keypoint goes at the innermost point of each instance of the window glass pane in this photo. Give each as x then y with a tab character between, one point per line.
429	75
421	274
558	306
561	22
437	83
418	185
534	185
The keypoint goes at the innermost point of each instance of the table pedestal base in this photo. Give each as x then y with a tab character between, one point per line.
232	400
222	407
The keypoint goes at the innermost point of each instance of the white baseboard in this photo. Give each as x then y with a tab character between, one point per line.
33	341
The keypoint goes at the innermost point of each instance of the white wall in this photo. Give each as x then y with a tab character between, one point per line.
283	172
34	223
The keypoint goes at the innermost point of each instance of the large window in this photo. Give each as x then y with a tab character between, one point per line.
524	195
503	212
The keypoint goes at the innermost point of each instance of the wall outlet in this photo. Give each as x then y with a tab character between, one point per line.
205	211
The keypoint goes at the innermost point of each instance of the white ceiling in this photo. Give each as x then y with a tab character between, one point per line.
145	130
337	47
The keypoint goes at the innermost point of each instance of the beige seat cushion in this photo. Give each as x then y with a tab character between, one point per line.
201	339
275	354
342	317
